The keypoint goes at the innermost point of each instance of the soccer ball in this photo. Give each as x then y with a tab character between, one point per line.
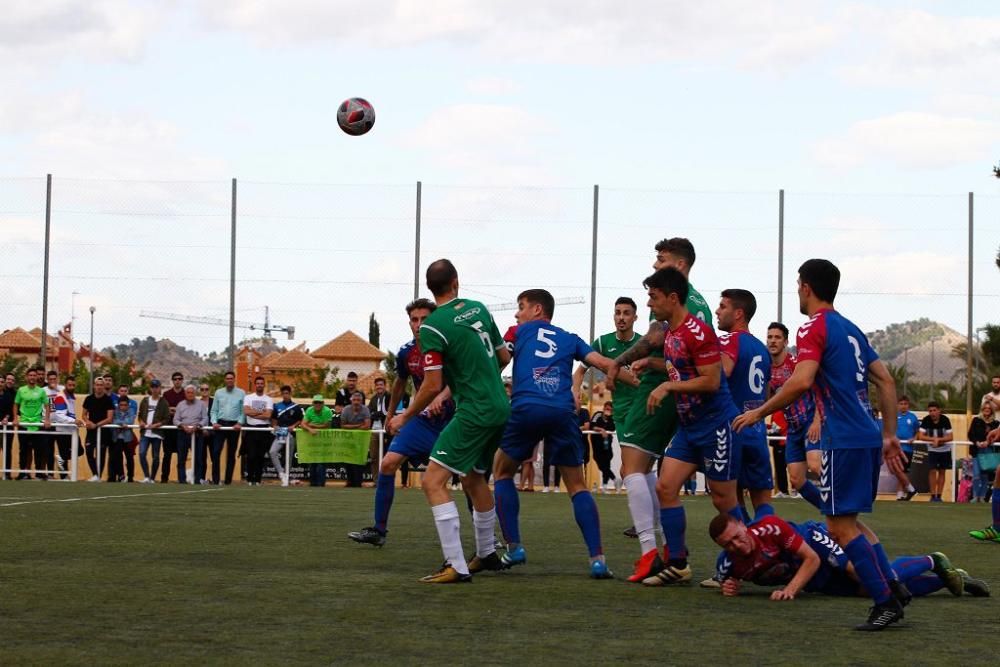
355	116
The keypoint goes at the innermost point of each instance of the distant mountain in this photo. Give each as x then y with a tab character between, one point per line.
913	344
165	357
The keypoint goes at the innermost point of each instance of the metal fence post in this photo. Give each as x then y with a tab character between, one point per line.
968	340
232	280
45	270
781	248
416	245
593	291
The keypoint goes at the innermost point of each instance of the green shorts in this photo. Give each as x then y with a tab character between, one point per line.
467	444
650	433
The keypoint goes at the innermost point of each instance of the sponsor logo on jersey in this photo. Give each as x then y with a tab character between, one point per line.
467	315
547	379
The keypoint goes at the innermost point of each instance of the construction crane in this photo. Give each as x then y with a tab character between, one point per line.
565	301
266	327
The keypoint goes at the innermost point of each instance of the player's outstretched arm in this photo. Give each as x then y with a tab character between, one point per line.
807	570
801	381
651	341
731	587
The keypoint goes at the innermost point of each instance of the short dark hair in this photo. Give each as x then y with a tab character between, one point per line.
440	275
228	373
678	247
123	385
352	374
669	281
70	377
719	524
626	301
607	403
259	377
742	299
933	404
177	375
286	387
904	397
51	373
420	303
822	276
377	380
123	399
541	297
780	327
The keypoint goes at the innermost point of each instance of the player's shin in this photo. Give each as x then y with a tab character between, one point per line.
385	491
883	561
910	567
925	584
640	505
587	518
651	483
674	522
507	509
448	524
865	562
810	493
485	537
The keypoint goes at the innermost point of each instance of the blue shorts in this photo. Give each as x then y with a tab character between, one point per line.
796	446
715	452
416	439
530	422
816	535
848	480
755	456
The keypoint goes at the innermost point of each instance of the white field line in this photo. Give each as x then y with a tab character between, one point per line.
128	495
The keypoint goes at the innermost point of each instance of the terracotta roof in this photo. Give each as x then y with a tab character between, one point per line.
37	333
268	358
292	360
349	345
19	338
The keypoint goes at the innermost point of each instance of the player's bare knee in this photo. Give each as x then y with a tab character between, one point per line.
666	494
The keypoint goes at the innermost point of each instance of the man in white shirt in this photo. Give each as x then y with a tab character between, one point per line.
257	407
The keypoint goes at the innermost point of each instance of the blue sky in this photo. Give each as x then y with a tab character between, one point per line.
875	117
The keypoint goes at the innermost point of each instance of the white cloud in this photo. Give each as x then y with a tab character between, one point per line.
910	139
770	33
33	33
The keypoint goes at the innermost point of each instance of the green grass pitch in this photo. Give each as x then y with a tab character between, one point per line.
268	575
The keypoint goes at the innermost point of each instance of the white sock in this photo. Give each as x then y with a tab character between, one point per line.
446	519
657	528
485	537
641	507
909	487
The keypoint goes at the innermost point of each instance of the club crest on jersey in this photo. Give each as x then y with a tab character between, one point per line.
467	315
547	379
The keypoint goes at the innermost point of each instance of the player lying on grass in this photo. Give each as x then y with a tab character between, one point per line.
416	440
542	408
805	558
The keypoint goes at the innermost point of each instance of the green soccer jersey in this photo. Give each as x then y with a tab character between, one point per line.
696	305
31	404
461	337
610	346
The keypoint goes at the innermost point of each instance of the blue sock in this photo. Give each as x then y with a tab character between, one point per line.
585	511
737	513
674	523
909	567
811	494
385	490
866	566
508	507
763	510
883	562
995	502
925	584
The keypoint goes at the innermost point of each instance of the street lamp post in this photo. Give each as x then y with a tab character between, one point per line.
90	356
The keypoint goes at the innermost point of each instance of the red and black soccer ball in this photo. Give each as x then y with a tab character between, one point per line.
356	116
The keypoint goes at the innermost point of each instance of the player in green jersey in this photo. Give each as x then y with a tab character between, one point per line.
462	348
643	436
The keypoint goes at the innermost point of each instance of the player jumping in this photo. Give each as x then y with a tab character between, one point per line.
834	355
461	347
542	409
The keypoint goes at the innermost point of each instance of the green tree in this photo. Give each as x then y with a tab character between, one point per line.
373	331
214	379
81	371
125	371
15	365
314	381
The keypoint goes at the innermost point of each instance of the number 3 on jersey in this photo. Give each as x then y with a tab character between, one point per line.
484	336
